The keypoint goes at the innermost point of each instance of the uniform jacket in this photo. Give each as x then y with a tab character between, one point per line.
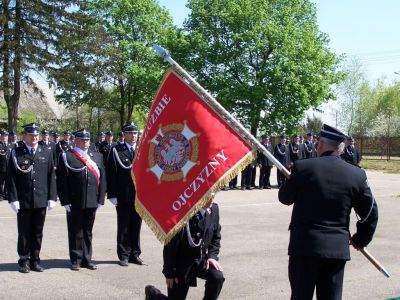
295	152
180	257
80	189
309	150
105	149
323	191
61	147
281	154
5	151
119	180
262	159
352	155
35	188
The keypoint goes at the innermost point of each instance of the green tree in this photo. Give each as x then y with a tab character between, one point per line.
265	60
313	124
134	26
31	31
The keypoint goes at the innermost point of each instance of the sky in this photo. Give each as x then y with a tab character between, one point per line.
365	29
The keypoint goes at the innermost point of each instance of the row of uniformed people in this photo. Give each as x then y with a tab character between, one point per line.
81	183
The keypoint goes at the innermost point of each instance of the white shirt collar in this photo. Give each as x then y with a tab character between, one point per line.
80	151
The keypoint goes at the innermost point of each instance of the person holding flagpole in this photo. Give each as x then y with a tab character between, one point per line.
121	193
81	183
323	191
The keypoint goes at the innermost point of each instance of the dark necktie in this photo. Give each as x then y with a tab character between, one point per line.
33	151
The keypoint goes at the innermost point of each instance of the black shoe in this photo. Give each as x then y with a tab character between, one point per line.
90	266
249	188
136	260
123	262
37	268
268	187
152	292
75	267
260	188
24	268
243	188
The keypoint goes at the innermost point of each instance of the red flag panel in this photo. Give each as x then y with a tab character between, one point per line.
186	152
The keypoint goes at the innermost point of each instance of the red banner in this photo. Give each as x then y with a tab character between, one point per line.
187	151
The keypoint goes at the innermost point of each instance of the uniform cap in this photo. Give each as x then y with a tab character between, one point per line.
12	133
109	133
31	128
102	134
332	133
265	136
82	134
67	132
45	132
4	132
129	127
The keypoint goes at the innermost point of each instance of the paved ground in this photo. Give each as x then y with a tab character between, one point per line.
254	253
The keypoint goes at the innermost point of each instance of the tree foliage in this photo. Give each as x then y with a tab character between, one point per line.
265	60
133	26
31	31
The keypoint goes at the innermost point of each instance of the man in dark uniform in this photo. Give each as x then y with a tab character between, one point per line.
45	142
193	253
295	151
56	137
4	157
352	153
121	192
121	138
32	188
265	164
63	145
101	138
323	191
81	183
281	154
12	137
105	146
309	147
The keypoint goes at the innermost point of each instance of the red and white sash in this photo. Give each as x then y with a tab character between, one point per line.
90	164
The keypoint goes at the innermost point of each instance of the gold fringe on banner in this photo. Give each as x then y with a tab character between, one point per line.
165	238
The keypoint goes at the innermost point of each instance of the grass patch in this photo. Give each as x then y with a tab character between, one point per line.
391	166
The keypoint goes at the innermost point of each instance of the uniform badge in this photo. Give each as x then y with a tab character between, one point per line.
91	154
40	150
173	152
26	162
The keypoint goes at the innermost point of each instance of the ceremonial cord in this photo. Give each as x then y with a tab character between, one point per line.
279	150
16	163
190	239
116	156
76	170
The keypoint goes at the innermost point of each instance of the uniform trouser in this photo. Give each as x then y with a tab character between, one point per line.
280	178
213	286
80	225
265	173
128	231
3	183
253	176
30	233
246	176
324	274
233	182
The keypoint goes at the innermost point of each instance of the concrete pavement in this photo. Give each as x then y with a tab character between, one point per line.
253	253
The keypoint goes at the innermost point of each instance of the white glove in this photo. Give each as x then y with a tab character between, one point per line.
114	201
67	207
99	206
15	206
51	204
